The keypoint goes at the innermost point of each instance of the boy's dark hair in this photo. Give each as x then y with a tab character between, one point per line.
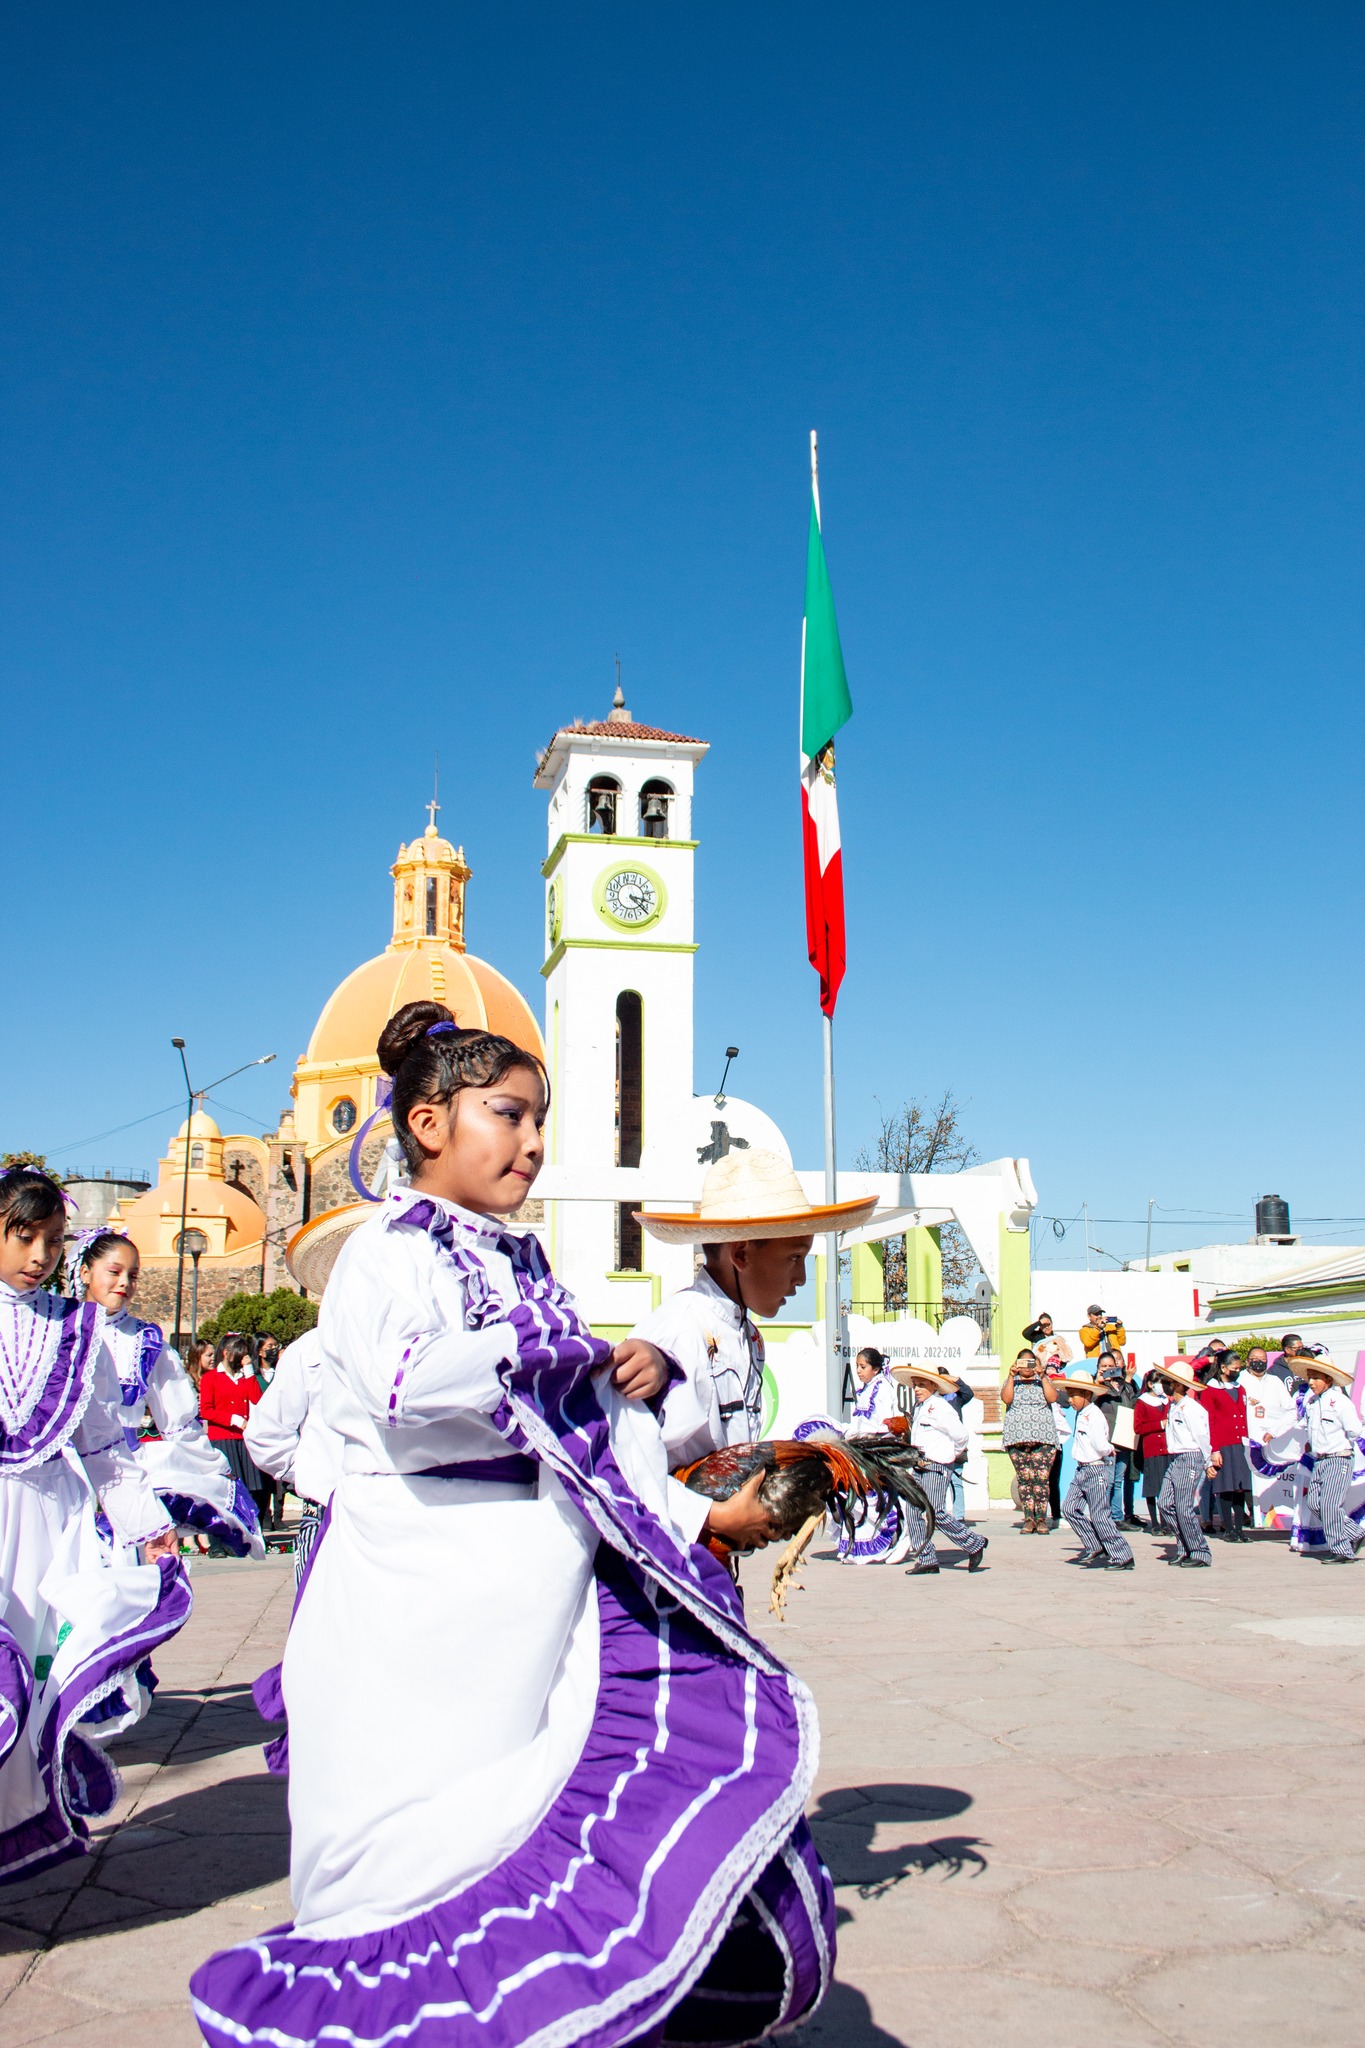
431	1058
28	1197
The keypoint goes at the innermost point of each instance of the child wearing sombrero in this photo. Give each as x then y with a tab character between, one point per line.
940	1433
1193	1459
1086	1506
1333	1427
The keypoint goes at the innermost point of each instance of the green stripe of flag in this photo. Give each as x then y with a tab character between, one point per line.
825	702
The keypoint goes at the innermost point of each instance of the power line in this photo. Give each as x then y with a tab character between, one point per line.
76	1143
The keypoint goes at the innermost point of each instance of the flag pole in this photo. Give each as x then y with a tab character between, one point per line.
834	1364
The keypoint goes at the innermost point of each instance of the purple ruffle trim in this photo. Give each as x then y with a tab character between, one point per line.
678	1837
16	1691
80	1782
66	1392
235	1535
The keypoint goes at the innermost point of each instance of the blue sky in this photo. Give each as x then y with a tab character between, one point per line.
374	376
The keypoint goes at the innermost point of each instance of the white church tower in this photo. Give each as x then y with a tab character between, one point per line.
618	1000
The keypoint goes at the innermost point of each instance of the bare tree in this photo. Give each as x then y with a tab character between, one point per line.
924	1137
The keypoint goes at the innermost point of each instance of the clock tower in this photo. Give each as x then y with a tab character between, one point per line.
618	998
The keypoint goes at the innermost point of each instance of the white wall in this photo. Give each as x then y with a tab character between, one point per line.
1154	1307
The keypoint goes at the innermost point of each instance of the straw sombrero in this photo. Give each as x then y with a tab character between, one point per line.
1177	1369
1333	1371
753	1194
1079	1385
906	1370
311	1252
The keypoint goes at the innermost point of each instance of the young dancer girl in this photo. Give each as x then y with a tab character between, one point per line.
75	1619
875	1538
544	1785
188	1472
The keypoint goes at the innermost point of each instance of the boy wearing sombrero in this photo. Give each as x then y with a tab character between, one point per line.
1087	1506
940	1433
1333	1427
1193	1459
755	1227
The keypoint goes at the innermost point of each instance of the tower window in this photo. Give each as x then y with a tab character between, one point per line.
655	799
629	1120
196	1156
604	793
431	906
343	1115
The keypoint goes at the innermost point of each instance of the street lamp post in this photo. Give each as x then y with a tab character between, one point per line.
196	1244
192	1095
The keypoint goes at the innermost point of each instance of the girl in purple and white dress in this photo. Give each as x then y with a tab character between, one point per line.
189	1473
76	1618
544	1786
877	1537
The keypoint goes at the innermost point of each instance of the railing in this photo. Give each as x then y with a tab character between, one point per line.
935	1313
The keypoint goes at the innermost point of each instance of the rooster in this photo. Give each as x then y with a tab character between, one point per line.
806	1481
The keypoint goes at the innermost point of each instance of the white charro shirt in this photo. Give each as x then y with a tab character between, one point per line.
719	1399
1333	1424
938	1430
1090	1438
1187	1428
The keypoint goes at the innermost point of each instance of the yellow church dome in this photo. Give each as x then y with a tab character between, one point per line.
474	992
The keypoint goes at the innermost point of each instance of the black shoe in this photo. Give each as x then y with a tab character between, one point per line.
1130	1523
974	1561
921	1571
1097	1564
1338	1560
1198	1564
1129	1565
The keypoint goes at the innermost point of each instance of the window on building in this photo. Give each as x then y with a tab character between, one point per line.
629	1121
431	906
196	1157
604	793
343	1115
655	801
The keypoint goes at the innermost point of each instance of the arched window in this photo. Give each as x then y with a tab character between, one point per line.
603	795
629	1121
343	1115
196	1157
431	906
655	801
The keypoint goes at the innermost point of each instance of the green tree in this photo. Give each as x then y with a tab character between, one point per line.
924	1137
281	1314
23	1159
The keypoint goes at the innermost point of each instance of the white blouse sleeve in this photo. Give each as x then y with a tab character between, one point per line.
276	1422
125	1492
395	1326
171	1397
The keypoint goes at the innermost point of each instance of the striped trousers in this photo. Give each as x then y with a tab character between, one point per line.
310	1521
1325	1494
934	1480
1087	1509
1178	1503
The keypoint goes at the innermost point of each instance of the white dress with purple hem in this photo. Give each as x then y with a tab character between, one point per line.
543	1785
76	1620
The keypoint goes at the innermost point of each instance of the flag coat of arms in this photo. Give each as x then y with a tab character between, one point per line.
825	706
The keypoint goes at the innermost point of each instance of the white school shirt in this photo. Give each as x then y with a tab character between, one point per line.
1187	1428
1270	1405
938	1430
1333	1424
719	1400
1090	1442
285	1433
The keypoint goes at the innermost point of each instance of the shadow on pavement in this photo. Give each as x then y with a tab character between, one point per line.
184	1725
843	2021
845	1824
190	1851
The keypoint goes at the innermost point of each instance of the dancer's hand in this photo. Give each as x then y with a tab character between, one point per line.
639	1370
167	1544
742	1521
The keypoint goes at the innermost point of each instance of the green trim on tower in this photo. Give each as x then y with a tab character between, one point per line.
556	855
612	946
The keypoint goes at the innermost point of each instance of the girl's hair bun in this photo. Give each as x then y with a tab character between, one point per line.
405	1029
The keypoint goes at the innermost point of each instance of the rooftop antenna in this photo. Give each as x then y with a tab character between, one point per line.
731	1053
434	806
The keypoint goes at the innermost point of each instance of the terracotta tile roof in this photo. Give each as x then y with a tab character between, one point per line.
623	729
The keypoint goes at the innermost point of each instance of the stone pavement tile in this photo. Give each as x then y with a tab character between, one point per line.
1265	1996
1201	1901
920	1926
963	2008
1082	1836
33	2013
146	1966
196	1873
1334	1880
1270	1843
1161	1782
167	2026
1061	1959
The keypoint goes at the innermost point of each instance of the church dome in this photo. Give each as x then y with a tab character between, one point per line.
474	992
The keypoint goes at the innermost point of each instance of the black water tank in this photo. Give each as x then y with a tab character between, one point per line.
1272	1217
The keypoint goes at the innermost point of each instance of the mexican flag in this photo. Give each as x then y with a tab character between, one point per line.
825	706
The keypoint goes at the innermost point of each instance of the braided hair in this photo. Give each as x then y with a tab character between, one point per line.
431	1058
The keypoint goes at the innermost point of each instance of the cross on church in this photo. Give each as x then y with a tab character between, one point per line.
433	806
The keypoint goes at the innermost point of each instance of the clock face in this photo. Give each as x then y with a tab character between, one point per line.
630	896
554	913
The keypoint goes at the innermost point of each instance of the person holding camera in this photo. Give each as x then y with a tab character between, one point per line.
1029	1436
1101	1332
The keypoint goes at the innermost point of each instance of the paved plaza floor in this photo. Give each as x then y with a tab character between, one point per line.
1060	1808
